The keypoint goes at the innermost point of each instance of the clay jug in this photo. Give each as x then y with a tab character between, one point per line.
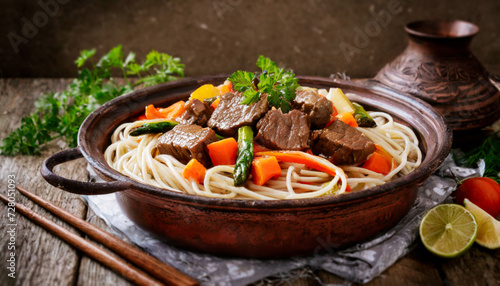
438	67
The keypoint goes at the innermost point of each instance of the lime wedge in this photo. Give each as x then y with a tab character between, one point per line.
448	230
488	228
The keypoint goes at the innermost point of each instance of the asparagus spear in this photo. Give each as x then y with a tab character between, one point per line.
154	127
245	156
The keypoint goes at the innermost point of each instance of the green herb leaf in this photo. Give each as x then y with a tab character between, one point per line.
84	56
280	85
489	151
59	115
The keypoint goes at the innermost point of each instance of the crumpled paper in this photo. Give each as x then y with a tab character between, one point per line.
360	263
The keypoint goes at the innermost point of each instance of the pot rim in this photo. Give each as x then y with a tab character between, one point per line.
417	176
442	29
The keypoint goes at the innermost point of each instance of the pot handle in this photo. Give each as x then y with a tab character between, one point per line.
72	186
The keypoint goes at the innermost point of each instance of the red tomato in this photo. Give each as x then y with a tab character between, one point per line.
484	192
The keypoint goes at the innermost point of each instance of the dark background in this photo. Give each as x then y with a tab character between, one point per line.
220	36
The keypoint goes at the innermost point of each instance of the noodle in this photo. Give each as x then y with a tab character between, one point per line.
137	158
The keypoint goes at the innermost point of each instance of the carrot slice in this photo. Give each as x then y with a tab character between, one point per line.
223	152
194	170
347	118
173	111
298	157
152	113
380	162
226	87
215	103
264	168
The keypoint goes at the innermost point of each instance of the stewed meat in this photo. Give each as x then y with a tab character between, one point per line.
231	115
317	107
284	131
197	112
186	142
341	144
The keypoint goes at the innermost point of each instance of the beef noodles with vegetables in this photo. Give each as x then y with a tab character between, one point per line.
263	137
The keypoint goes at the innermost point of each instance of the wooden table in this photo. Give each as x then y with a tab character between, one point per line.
43	259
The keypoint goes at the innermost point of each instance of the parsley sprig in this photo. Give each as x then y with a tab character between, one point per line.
278	84
60	114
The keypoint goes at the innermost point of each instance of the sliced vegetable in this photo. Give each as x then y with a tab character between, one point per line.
225	88
173	111
298	157
223	152
380	162
152	112
244	157
153	128
347	118
264	168
215	103
335	112
210	100
333	116
204	91
194	170
340	101
362	117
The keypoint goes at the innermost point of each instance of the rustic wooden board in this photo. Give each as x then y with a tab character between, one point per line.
92	272
479	266
42	259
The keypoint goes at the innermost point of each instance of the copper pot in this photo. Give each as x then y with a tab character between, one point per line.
255	228
438	67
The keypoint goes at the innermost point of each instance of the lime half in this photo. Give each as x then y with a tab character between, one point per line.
448	230
488	228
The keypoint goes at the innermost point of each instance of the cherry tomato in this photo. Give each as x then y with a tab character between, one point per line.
484	192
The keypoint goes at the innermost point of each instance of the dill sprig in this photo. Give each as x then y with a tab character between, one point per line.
489	151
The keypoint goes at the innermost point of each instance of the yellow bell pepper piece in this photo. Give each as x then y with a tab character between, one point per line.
204	91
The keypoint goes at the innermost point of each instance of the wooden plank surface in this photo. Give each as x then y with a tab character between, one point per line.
91	272
42	259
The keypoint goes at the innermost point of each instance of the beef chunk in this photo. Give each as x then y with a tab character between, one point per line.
317	107
284	131
197	112
341	144
231	115
186	142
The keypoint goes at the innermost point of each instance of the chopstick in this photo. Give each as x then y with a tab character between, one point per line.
161	271
126	270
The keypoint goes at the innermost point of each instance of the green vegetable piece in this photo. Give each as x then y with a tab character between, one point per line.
244	157
280	85
362	117
153	128
210	100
